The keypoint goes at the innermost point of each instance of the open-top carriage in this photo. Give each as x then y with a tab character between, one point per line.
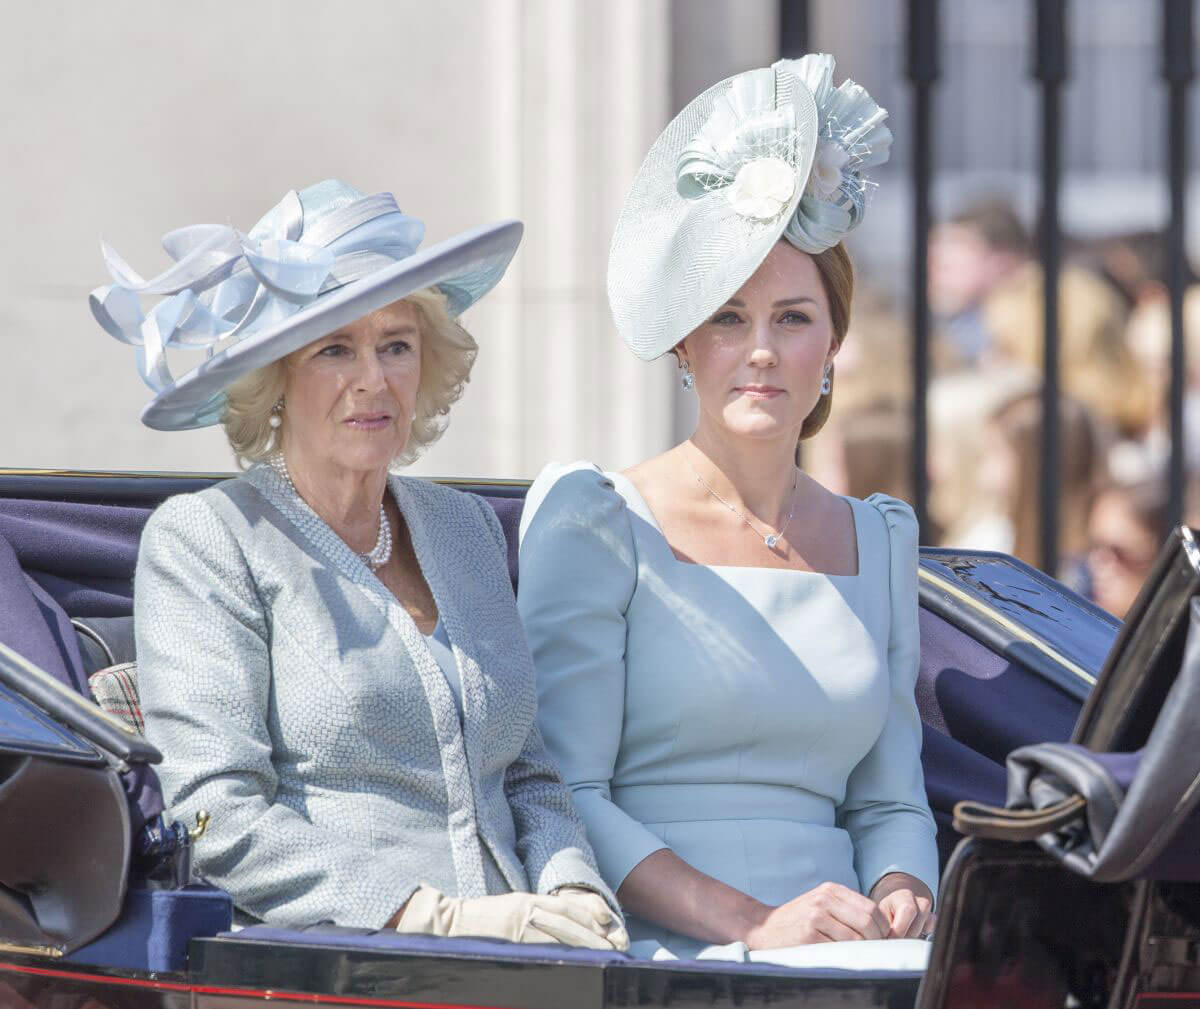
1085	898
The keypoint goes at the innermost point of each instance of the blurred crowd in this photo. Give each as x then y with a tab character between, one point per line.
984	405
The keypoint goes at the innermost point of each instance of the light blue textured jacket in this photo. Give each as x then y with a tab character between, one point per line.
295	699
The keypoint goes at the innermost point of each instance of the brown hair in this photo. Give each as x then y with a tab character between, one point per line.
837	277
877	447
1148	502
1081	470
995	221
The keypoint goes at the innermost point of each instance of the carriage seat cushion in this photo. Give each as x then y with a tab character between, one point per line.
155	927
106	647
115	690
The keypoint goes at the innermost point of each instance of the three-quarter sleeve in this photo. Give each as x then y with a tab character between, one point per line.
885	809
551	840
578	572
204	671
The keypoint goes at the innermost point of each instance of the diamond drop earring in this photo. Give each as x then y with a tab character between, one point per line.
689	380
827	381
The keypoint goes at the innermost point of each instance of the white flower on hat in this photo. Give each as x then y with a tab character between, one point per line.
825	179
731	175
762	188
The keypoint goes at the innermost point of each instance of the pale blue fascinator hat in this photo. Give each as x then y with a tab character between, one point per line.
319	259
772	153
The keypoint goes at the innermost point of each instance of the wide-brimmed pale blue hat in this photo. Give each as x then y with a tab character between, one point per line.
772	153
320	259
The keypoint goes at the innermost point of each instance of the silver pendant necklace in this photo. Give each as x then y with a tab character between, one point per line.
770	540
378	555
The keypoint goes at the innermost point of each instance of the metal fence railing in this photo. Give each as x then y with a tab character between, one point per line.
1050	35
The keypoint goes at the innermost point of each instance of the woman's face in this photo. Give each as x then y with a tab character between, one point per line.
1121	554
759	360
349	398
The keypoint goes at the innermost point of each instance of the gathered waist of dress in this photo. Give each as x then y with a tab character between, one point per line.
699	801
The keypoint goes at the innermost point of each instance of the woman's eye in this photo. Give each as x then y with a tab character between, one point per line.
397	347
726	319
794	318
333	350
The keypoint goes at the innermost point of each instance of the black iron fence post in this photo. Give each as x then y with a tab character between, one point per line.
922	71
1178	68
793	28
1050	70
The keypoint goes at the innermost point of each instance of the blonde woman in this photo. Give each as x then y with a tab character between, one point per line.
329	654
1007	476
727	651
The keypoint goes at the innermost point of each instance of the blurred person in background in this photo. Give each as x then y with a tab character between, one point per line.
1126	526
987	288
973	254
1148	336
961	405
869	450
1097	367
877	448
1133	263
865	445
1003	513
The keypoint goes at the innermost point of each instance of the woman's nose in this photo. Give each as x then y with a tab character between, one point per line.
762	353
369	375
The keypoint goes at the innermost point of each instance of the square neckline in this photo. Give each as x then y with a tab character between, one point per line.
852	503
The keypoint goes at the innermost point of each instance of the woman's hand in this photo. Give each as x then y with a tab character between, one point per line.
518	917
826	913
597	907
907	904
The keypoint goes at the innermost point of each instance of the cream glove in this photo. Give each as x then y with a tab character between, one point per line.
576	918
589	899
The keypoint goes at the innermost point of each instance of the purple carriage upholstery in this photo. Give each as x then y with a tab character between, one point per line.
62	560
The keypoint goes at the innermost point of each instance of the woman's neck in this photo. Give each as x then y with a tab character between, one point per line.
347	500
757	475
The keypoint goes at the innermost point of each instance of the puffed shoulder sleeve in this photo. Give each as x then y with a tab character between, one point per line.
578	573
885	809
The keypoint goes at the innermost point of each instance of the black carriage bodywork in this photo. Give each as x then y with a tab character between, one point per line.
1012	657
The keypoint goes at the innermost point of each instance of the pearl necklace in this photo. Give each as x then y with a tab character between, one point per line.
377	556
770	540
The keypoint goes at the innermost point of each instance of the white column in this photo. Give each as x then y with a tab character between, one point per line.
591	93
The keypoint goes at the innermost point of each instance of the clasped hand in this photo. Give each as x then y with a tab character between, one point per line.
571	915
899	907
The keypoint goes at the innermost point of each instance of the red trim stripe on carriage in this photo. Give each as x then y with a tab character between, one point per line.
260	993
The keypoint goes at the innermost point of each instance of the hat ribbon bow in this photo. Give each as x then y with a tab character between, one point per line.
224	282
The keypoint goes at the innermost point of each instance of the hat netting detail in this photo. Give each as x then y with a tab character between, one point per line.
680	249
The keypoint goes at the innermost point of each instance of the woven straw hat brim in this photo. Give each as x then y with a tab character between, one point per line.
465	267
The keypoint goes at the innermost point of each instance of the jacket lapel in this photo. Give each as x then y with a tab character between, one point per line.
328	546
440	558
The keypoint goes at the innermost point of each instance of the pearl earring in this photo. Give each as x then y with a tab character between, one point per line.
827	381
276	411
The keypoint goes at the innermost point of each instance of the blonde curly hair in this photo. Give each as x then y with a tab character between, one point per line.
447	354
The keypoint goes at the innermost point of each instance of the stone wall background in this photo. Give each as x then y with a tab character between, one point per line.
129	118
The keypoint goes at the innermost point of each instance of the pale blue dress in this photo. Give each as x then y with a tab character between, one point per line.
761	723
